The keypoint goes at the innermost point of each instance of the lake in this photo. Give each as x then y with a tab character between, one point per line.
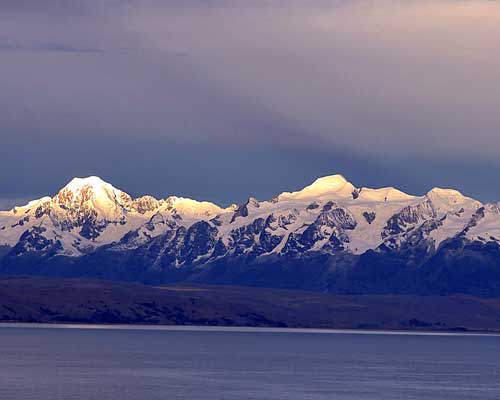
125	363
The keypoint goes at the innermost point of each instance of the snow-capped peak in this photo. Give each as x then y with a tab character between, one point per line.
445	193
91	189
93	181
94	185
89	212
333	186
193	208
29	205
383	195
450	200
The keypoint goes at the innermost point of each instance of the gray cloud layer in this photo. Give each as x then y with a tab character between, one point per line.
224	98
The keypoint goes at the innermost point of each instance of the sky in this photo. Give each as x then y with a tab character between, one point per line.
225	99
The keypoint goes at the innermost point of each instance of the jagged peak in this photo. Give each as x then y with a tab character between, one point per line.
145	204
147	198
493	207
332	185
252	202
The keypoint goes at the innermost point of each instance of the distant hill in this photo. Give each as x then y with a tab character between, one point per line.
86	301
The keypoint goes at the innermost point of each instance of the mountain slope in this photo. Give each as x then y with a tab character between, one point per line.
89	213
328	236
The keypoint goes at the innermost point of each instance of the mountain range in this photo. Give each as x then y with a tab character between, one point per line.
330	236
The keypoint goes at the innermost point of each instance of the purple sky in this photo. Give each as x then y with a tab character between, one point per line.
222	99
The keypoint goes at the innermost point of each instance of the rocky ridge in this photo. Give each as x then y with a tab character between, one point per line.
329	235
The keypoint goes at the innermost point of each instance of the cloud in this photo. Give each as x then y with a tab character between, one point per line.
403	84
49	47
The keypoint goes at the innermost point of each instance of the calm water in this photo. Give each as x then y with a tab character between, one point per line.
51	364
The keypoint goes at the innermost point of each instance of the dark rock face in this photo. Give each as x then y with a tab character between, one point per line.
329	231
42	210
369	216
199	241
462	266
33	241
408	217
242	210
30	253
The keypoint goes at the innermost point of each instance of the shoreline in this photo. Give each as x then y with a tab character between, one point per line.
238	329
